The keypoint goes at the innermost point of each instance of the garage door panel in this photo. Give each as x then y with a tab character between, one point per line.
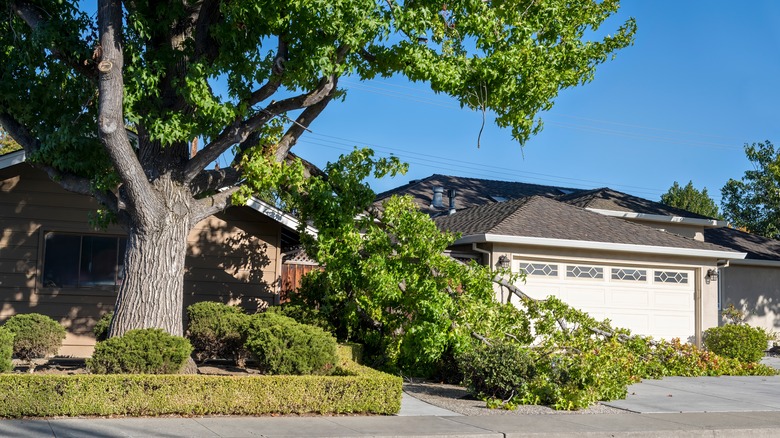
639	322
627	298
661	306
594	296
677	300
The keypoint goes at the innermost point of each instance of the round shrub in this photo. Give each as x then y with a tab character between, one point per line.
216	330
284	346
101	327
500	370
6	350
141	351
35	336
737	341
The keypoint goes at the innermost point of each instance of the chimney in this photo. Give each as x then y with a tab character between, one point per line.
451	194
438	202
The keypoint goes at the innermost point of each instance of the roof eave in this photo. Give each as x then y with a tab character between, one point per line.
710	223
278	215
12	159
601	246
756	263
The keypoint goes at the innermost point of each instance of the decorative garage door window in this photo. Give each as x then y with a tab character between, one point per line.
543	269
579	271
629	274
671	277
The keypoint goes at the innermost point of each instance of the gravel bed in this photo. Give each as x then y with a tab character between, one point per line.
457	399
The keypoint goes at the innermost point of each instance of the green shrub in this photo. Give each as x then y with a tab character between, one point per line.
35	335
143	351
6	350
737	341
217	330
101	327
357	390
303	314
500	370
284	346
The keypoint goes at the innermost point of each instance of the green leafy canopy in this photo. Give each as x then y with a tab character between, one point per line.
691	199
753	203
508	57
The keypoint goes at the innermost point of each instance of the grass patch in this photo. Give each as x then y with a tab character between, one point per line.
356	389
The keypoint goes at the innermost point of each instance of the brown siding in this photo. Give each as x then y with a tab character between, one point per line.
232	256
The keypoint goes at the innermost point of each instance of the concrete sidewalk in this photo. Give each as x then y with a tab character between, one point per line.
745	424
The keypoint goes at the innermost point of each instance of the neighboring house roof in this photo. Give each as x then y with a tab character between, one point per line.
548	222
757	247
608	199
469	192
289	221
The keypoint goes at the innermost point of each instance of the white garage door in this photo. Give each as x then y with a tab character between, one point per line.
648	301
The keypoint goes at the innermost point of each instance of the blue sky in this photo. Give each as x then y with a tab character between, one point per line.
700	81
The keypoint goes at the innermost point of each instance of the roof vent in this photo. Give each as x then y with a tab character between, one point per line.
438	201
451	194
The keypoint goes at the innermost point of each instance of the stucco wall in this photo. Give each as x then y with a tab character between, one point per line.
232	257
756	291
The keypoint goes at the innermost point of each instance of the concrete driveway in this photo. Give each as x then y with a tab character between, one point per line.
702	394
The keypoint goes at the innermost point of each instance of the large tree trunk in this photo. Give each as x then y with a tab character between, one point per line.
152	292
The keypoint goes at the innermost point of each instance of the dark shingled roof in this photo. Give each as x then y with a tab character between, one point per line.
469	192
756	247
608	199
547	218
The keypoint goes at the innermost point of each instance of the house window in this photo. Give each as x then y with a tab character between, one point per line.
671	277
577	271
73	260
629	274
541	269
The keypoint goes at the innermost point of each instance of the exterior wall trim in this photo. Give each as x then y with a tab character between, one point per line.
604	246
710	223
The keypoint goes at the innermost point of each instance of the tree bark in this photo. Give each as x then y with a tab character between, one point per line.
152	292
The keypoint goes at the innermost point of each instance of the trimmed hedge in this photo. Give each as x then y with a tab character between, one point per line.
357	389
6	350
217	330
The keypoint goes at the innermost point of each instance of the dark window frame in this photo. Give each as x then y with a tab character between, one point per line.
81	273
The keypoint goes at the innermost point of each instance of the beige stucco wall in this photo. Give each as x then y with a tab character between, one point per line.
754	290
232	257
687	230
707	314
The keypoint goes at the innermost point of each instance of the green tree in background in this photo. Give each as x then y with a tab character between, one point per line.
250	77
689	198
753	203
7	144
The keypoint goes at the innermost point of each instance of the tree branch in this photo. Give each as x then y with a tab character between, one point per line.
111	127
205	207
300	126
31	15
240	131
213	180
20	133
